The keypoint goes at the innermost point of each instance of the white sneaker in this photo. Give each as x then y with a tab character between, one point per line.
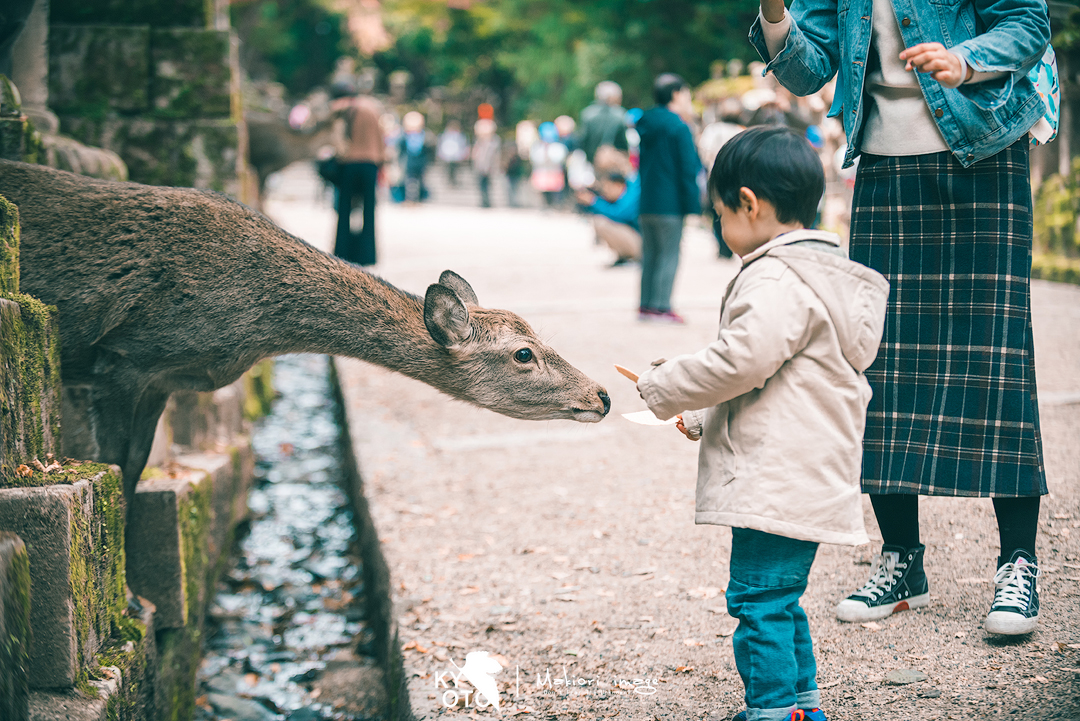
1016	600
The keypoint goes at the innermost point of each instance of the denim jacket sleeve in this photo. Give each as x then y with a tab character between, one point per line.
811	55
1017	32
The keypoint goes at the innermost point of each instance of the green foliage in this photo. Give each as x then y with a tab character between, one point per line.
1057	228
544	57
294	42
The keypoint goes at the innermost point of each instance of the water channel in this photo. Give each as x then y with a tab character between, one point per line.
289	599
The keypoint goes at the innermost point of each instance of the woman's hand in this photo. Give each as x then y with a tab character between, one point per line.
682	429
933	58
772	10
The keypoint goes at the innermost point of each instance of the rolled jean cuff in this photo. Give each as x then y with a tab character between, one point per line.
770	714
809	699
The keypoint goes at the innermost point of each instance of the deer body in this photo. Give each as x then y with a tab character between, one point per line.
162	289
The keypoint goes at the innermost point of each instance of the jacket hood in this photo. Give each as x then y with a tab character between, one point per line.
854	295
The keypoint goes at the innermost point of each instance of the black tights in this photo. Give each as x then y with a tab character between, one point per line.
1018	520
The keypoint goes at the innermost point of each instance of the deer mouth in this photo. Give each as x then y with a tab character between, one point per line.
593	415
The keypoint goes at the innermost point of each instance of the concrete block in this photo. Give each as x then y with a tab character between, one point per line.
75	532
207	421
30	385
231	474
9	247
193	73
14	628
189	153
126	692
169	532
98	69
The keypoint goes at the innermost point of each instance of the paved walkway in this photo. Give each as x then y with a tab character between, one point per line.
570	550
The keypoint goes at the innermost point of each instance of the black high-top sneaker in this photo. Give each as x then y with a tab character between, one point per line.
1016	600
897	583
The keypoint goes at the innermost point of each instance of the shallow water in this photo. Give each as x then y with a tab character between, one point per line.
290	597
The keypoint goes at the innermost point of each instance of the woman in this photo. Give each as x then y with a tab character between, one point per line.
940	114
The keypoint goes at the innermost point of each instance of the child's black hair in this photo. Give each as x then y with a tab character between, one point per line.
778	165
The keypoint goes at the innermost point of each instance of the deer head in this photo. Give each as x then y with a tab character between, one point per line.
502	364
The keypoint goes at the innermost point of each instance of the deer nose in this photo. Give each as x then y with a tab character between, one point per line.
605	400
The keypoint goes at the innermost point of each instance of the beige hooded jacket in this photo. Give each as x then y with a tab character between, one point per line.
783	392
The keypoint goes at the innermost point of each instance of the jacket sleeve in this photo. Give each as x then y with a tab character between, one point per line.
811	55
625	209
767	324
689	167
1017	33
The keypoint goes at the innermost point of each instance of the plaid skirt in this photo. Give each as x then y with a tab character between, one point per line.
954	411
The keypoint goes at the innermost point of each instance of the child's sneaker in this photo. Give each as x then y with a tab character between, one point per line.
1016	600
897	583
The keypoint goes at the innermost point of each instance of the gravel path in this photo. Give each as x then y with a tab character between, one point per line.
569	551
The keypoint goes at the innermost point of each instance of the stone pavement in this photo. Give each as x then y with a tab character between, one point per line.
569	551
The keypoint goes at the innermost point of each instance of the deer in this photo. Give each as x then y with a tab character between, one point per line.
161	289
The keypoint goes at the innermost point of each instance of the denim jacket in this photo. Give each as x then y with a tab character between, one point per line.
977	120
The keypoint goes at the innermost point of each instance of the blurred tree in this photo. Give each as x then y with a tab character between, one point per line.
294	42
543	57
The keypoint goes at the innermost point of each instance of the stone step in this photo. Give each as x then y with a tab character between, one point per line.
29	385
120	684
14	628
74	529
181	527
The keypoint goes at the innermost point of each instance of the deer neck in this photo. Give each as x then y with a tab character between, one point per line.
355	314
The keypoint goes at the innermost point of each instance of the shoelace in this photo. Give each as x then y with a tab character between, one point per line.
1013	584
886	571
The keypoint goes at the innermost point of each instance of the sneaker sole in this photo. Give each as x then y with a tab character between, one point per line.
855	612
1003	623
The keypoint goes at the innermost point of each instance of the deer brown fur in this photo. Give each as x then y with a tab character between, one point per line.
162	289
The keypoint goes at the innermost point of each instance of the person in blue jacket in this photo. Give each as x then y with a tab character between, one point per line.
937	103
669	192
615	208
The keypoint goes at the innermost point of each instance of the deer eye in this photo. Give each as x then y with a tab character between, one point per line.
523	356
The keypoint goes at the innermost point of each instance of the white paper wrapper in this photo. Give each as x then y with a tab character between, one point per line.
646	418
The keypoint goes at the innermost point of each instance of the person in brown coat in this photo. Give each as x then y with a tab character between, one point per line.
359	156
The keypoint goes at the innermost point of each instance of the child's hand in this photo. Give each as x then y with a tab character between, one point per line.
933	58
682	429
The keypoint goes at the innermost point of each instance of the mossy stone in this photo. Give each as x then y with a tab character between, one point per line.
14	628
30	385
192	73
186	153
95	70
9	247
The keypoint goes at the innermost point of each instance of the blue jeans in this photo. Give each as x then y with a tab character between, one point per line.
773	651
661	236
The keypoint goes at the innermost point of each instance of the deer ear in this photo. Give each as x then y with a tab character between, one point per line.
459	285
446	317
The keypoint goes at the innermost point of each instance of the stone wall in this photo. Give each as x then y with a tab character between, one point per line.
157	82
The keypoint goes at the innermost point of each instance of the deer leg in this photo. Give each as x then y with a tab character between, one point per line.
143	426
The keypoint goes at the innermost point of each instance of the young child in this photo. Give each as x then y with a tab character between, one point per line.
780	402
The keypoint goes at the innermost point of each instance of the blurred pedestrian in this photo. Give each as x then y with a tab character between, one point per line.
393	174
615	208
603	122
415	150
361	152
485	157
669	192
548	158
453	149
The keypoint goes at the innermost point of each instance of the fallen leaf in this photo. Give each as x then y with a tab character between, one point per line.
872	625
38	465
23	471
705	592
251	679
692	642
525	709
683	669
469	589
